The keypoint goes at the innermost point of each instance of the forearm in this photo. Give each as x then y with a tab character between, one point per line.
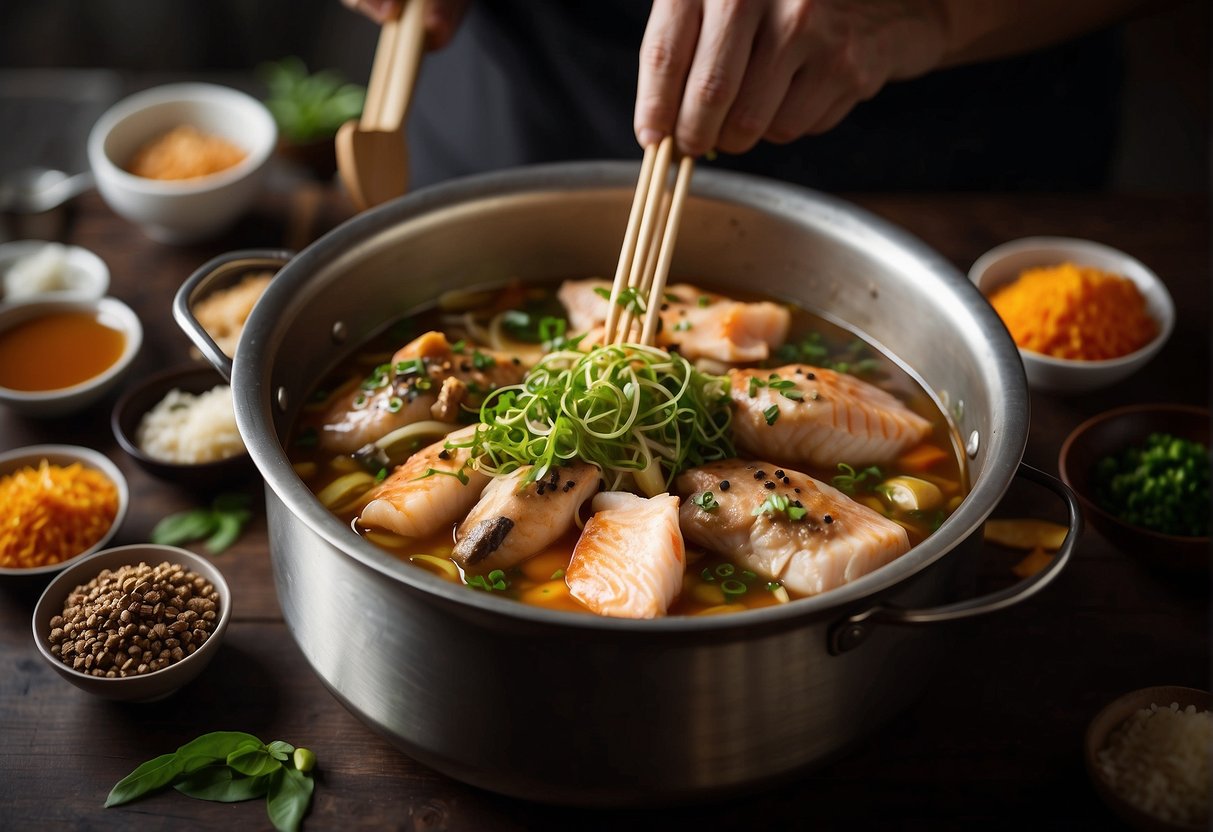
978	30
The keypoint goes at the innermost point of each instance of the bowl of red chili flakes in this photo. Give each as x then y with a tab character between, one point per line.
61	502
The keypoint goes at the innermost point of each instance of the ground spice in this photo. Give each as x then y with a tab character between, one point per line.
133	620
184	153
1075	312
52	513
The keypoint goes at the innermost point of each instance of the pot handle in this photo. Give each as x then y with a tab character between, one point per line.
219	272
853	630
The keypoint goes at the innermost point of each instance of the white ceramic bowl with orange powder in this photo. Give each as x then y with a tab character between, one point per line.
1003	264
50	507
191	209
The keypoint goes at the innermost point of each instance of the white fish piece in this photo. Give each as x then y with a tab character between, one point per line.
412	504
630	559
513	521
410	390
820	417
834	541
697	323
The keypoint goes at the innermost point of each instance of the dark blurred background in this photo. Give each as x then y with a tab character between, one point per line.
1127	109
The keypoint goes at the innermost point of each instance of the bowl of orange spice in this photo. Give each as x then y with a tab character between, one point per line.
61	502
1083	314
182	161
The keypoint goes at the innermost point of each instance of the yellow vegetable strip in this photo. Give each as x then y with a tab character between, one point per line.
52	513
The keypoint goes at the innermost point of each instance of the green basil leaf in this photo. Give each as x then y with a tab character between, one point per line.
280	750
228	526
146	778
216	746
253	761
183	527
290	794
217	782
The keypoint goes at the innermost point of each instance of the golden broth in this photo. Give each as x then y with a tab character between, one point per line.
712	583
57	350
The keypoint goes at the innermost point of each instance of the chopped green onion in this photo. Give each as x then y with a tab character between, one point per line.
725	570
481	361
557	575
704	301
394	404
733	588
706	501
771	414
707	575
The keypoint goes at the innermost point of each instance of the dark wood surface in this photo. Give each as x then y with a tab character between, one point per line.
995	741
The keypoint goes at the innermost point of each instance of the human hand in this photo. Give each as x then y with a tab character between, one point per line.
442	17
723	74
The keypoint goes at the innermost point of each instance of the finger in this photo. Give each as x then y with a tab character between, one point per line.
665	58
377	10
809	97
772	67
832	116
726	42
442	19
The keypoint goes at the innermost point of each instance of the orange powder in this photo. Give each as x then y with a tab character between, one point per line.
1075	312
52	513
184	153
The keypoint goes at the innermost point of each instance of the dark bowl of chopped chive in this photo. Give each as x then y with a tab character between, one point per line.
139	398
1142	474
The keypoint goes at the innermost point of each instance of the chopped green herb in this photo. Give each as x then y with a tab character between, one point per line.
704	301
394	404
781	504
481	361
459	346
733	588
458	474
682	326
707	575
725	570
706	501
557	575
771	414
848	481
381	475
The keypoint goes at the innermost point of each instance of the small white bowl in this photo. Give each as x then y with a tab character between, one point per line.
82	273
148	687
31	456
186	210
65	400
1004	263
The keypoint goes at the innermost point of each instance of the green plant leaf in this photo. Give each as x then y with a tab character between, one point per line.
228	526
280	750
216	746
148	777
183	527
290	793
253	762
217	782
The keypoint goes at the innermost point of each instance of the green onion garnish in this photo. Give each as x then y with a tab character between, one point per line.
733	588
771	414
706	501
624	408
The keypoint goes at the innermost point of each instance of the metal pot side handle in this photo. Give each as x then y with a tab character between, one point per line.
219	273
852	631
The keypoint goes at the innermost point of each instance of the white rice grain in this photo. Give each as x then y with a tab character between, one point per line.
186	428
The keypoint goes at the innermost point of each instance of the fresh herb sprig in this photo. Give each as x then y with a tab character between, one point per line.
219	526
309	106
849	481
229	767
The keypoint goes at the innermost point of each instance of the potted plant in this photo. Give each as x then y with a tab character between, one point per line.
309	108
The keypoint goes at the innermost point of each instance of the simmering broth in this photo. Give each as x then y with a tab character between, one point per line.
916	489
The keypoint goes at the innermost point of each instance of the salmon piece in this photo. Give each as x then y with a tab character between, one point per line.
821	417
695	323
835	541
414	387
630	558
412	504
511	521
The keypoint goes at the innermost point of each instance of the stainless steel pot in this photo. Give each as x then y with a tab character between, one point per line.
575	709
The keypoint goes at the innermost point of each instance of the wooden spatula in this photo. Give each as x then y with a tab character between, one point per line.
372	156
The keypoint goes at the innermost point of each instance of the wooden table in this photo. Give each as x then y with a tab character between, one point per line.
995	742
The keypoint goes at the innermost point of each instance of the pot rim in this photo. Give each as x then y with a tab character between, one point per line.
1005	440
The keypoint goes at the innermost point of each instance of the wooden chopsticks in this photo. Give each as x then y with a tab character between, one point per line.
394	71
648	245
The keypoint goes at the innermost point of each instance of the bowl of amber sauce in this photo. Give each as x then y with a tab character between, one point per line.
60	356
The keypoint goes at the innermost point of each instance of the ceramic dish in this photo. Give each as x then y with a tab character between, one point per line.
64	455
149	686
1099	733
181	210
142	397
1111	432
1004	263
70	271
113	314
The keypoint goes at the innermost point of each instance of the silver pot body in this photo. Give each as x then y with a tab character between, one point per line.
564	708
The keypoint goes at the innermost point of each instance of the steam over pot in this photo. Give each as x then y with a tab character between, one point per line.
577	709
